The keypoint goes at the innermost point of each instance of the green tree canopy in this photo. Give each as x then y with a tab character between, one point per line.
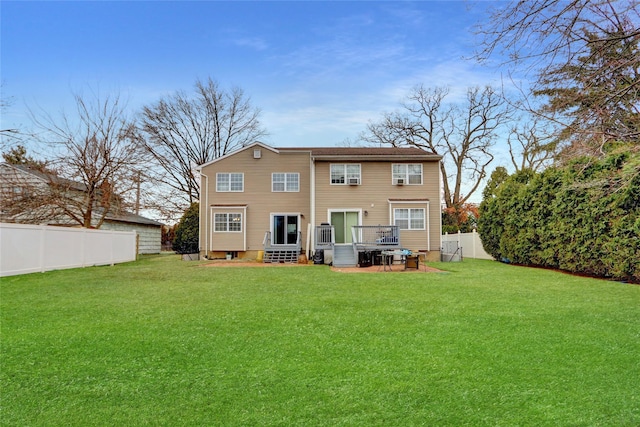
187	232
583	217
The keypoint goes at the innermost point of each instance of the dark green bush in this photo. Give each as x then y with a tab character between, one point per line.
187	231
583	217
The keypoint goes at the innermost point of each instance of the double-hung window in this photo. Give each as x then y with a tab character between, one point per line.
407	173
409	218
288	182
227	222
348	173
226	182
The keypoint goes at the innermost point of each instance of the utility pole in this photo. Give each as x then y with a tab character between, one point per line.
138	193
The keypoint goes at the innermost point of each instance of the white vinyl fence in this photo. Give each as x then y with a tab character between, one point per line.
39	248
470	242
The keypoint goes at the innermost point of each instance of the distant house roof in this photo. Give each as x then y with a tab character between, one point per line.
125	216
120	215
49	177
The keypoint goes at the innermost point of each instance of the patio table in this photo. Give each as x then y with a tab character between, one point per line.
389	256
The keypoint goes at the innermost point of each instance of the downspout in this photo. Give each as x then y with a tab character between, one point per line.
312	191
206	213
244	228
428	227
440	193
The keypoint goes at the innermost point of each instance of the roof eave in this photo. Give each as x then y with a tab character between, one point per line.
231	153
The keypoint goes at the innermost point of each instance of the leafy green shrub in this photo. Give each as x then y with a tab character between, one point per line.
583	217
187	231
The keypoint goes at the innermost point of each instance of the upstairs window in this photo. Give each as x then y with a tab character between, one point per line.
287	182
345	173
405	173
409	219
230	182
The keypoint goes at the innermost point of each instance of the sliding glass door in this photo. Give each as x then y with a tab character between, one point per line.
342	221
284	229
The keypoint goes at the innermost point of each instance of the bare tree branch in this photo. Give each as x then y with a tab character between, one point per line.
462	133
183	131
585	61
97	148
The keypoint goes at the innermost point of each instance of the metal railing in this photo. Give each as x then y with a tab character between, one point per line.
450	251
325	236
266	242
376	236
354	244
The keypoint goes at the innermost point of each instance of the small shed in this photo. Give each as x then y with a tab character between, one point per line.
149	231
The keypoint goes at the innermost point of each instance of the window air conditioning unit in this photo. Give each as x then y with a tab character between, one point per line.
400	181
354	181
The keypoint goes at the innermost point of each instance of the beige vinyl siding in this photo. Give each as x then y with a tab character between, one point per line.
414	239
229	240
260	201
431	177
372	197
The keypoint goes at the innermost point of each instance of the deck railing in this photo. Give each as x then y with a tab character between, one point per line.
325	237
376	236
266	243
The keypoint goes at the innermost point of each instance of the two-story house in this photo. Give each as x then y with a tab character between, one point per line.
285	201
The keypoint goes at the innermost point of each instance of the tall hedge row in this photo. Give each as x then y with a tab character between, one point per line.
583	217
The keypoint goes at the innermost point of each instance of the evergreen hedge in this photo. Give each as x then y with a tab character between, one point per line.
187	232
583	217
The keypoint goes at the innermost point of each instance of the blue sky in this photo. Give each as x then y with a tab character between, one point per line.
319	71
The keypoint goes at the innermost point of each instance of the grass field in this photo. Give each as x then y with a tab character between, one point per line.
162	342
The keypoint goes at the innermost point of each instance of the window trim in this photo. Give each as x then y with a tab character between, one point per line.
227	222
285	182
409	218
406	173
345	174
228	175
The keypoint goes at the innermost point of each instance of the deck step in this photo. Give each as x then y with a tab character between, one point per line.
343	256
275	256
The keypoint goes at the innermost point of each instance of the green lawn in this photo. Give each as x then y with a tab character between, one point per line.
162	342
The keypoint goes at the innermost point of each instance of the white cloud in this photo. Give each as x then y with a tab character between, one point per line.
255	43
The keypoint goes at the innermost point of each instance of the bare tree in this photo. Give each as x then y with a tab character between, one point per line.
183	131
95	151
531	146
598	95
23	197
583	57
548	33
463	133
10	136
